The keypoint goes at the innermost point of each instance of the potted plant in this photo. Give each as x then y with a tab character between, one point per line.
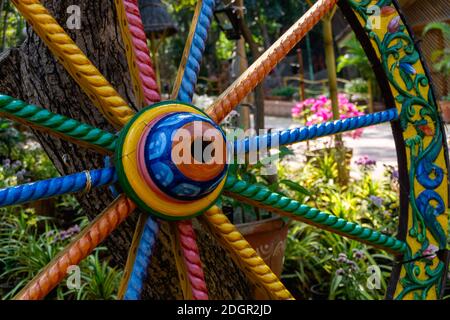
441	60
264	230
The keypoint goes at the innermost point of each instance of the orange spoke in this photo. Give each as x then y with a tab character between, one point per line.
255	74
78	249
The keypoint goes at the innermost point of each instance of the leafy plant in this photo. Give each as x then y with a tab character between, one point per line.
287	92
253	173
355	56
29	242
321	261
356	86
302	263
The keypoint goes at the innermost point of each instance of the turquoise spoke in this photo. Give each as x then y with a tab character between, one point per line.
260	195
20	111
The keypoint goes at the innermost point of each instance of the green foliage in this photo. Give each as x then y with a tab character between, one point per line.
12	26
224	47
356	86
29	242
287	91
337	267
22	159
302	264
441	58
355	57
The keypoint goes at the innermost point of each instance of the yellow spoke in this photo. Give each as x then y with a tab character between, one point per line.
93	83
244	255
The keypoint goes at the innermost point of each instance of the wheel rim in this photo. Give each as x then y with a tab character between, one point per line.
404	80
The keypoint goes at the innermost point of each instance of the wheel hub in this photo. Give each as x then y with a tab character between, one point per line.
171	160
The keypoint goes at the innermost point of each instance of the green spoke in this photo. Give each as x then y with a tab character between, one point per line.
262	197
56	124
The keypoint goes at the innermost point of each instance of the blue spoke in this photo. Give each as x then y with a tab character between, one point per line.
56	186
142	260
197	47
291	136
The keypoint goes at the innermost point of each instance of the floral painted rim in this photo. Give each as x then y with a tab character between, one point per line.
403	79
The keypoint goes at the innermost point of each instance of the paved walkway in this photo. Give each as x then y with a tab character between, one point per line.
376	142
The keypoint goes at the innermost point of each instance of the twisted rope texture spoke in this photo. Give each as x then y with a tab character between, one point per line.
98	89
29	114
196	48
183	91
56	186
140	65
79	249
192	260
261	67
142	260
244	255
290	136
261	196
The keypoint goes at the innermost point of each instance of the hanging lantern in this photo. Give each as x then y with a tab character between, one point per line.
158	25
157	21
227	18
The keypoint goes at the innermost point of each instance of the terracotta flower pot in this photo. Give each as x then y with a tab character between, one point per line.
268	238
317	293
445	108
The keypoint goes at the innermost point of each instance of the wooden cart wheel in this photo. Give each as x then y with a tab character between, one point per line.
150	178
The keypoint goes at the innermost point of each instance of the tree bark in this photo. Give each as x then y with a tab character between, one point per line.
32	74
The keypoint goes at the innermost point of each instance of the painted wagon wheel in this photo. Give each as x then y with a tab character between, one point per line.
149	178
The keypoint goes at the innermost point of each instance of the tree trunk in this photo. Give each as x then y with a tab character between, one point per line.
32	74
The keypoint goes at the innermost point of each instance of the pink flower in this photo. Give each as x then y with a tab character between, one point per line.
309	101
295	111
430	252
342	98
323	98
355	134
324	114
316	106
318	110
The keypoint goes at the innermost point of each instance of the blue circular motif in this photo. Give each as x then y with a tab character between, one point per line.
163	170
